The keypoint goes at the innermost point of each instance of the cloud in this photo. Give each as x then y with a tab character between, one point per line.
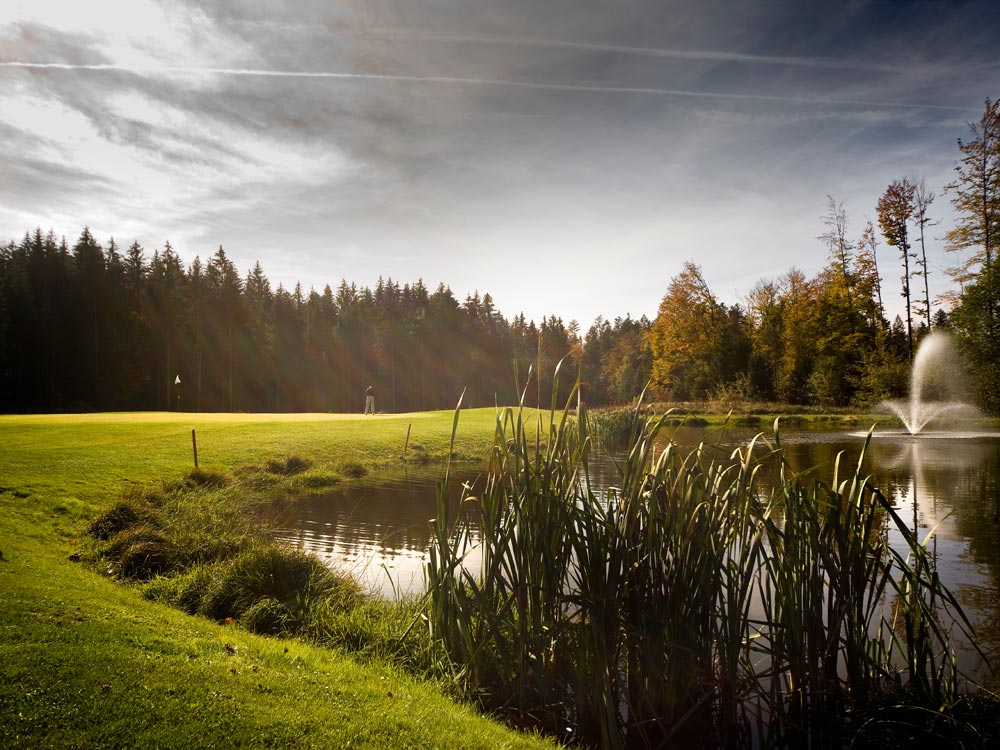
451	139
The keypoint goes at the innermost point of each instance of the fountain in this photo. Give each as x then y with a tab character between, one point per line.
935	383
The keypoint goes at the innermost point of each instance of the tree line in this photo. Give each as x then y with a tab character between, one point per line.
93	327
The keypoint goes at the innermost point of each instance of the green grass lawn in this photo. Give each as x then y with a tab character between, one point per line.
87	662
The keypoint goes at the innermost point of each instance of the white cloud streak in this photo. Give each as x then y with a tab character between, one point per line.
474	81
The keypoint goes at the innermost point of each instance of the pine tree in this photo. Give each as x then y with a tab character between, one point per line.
225	287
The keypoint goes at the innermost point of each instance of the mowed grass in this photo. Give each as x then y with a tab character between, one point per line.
87	662
84	454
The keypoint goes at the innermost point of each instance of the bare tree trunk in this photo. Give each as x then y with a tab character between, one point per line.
906	294
922	199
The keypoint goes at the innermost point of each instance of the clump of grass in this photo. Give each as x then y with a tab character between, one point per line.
613	426
256	478
140	551
199	478
268	616
794	420
288	466
204	478
184	590
207	552
387	631
352	470
417	454
317	480
292	579
131	510
268	588
150	532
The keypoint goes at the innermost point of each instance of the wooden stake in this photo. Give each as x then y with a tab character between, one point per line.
407	443
194	445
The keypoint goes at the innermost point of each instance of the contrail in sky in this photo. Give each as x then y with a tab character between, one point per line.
676	54
470	81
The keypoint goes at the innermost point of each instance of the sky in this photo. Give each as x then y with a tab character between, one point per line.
565	156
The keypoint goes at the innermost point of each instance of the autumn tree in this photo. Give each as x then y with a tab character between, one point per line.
879	368
626	368
765	321
895	209
975	195
840	336
686	339
799	319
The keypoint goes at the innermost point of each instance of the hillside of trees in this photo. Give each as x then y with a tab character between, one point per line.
94	327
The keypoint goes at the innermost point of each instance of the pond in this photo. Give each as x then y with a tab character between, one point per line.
378	529
948	482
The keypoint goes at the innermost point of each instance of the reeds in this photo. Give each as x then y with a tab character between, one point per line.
694	604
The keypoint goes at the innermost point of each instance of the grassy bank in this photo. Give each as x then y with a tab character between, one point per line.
87	662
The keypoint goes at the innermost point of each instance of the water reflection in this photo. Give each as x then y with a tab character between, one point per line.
380	530
377	530
945	486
